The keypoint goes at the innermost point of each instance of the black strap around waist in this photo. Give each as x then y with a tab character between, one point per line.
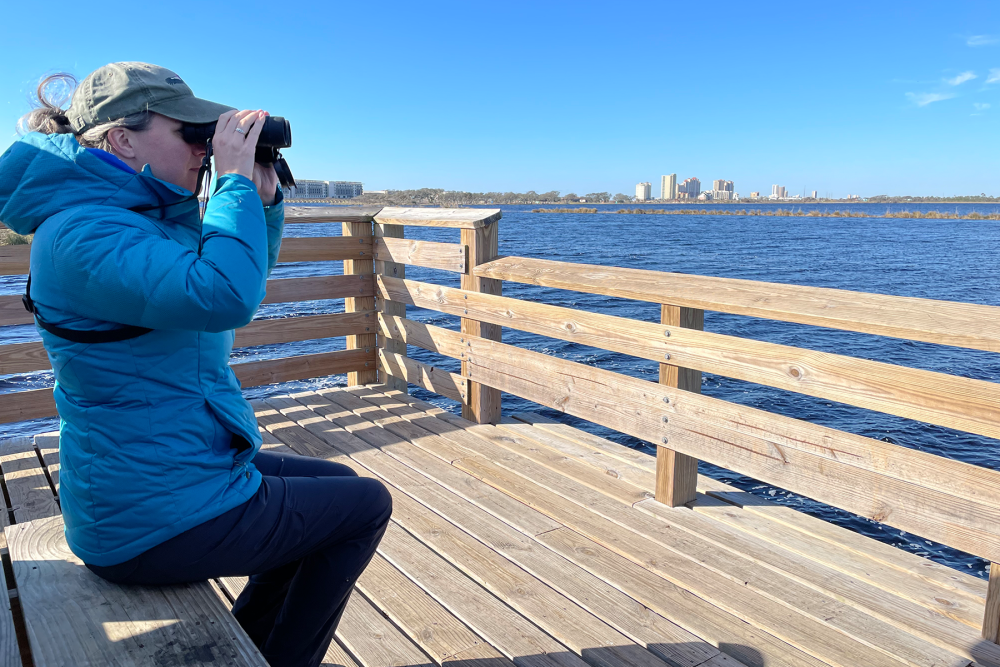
125	332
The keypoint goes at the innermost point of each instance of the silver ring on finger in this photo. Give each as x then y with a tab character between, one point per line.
241	130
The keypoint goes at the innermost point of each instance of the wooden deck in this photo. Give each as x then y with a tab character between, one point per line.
534	543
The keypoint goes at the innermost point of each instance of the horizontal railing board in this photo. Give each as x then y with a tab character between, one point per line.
25	405
12	311
428	254
946	400
708	429
284	290
286	369
23	358
325	248
279	290
14	258
460	218
944	322
38	403
293	329
306	214
449	385
27	357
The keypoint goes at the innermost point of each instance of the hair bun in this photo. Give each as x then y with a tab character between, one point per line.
49	117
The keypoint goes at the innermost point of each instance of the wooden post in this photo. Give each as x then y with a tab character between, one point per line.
364	269
390	308
991	617
482	403
677	474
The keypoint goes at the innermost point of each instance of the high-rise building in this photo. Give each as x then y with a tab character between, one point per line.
815	196
643	191
722	190
668	187
689	189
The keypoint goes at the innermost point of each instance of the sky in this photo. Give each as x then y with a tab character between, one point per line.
898	98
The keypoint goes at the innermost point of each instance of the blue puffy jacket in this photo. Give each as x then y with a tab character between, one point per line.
147	423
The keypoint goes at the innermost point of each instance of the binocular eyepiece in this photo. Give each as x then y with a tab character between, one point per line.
276	134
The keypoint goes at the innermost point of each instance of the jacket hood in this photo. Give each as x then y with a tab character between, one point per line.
44	174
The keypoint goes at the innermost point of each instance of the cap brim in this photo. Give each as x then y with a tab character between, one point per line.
190	110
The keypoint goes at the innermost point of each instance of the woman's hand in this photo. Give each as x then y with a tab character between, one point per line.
266	180
235	142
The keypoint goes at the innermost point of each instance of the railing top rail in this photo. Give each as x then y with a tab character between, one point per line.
461	218
966	325
296	214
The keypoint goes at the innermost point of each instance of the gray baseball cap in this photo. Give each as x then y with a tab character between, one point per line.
119	89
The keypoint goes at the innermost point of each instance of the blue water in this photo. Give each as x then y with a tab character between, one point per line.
938	259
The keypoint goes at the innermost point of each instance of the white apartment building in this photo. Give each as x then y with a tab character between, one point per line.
323	190
668	186
643	191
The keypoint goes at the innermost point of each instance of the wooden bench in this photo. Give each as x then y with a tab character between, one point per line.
73	617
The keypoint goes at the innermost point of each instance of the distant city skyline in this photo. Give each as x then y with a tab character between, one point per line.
899	103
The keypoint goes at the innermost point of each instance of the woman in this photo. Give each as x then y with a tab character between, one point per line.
136	299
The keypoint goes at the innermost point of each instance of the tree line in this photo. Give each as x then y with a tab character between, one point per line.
439	197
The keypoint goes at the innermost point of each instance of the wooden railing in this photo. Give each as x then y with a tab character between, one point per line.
948	501
954	503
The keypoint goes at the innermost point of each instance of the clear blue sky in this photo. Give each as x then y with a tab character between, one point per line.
851	97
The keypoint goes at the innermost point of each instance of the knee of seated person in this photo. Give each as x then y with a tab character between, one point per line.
381	499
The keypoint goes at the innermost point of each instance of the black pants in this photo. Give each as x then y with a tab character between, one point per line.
304	539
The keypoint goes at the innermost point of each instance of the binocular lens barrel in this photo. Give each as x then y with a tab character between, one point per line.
276	133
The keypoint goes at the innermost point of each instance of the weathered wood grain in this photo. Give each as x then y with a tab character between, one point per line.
777	452
325	248
27	357
390	234
12	311
256	373
23	358
284	290
553	498
362	233
677	474
462	506
946	400
422	618
462	218
303	214
991	616
482	403
428	254
945	322
291	329
375	641
449	385
31	495
14	259
74	617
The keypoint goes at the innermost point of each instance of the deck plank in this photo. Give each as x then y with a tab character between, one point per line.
422	618
805	613
933	624
375	641
837	542
705	616
31	495
649	629
573	626
516	637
